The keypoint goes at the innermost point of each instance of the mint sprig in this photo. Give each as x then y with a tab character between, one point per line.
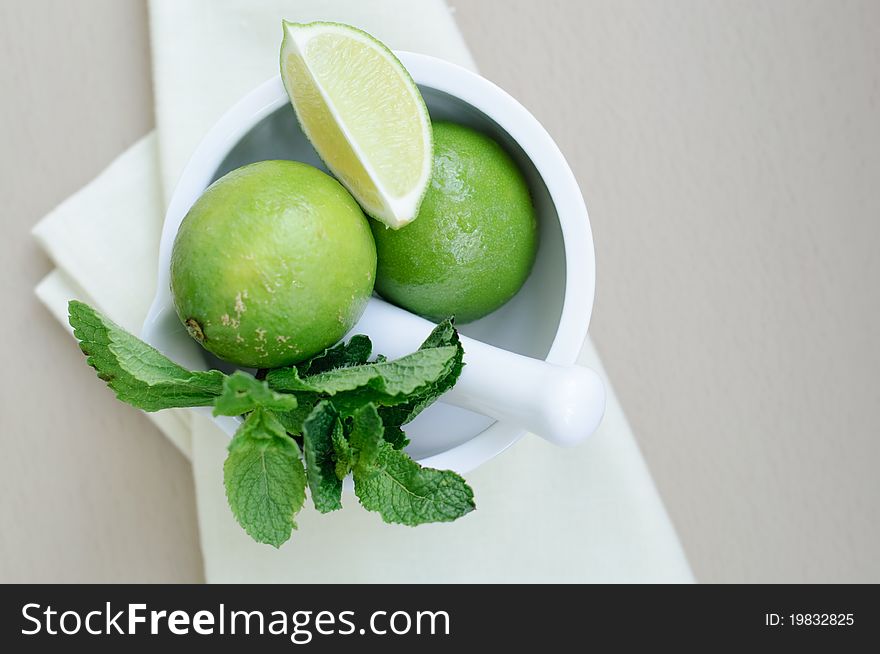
346	411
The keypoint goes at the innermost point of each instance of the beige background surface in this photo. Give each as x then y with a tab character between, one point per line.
728	152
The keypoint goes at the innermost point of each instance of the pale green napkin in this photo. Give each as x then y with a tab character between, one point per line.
588	514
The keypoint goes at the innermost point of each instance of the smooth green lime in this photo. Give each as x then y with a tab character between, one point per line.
363	113
274	263
473	243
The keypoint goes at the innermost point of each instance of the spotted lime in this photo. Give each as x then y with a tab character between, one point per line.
272	264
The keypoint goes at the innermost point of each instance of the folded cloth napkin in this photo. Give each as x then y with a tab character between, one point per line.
590	514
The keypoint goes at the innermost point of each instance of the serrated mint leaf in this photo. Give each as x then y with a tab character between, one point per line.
318	438
341	355
388	378
264	478
243	392
366	437
403	492
138	373
443	335
347	402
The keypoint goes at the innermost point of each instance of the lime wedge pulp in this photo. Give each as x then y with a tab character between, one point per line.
363	113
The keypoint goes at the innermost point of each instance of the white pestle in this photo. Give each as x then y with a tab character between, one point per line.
562	404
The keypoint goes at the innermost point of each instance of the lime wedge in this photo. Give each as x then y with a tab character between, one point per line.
363	113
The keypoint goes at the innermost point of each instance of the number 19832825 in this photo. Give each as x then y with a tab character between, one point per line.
809	619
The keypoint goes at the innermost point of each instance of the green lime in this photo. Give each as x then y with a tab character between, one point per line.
363	113
273	263
473	243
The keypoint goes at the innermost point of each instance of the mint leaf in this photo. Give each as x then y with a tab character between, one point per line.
388	382
443	335
341	355
347	402
264	478
408	384
403	492
139	374
318	439
243	393
366	437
